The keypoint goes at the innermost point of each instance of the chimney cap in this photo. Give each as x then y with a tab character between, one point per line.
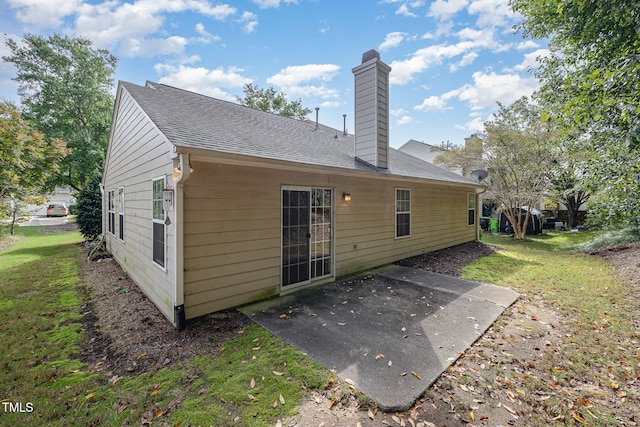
369	55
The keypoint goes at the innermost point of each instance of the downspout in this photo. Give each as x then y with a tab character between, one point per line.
102	198
478	213
181	174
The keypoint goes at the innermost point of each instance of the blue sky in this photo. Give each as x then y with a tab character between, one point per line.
452	60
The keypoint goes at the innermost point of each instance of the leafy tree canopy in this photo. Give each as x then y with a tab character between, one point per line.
27	159
65	86
592	80
271	101
516	153
595	62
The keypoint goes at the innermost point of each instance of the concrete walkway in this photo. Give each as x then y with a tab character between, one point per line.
392	332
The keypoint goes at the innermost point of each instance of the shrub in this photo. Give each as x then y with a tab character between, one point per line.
89	208
612	237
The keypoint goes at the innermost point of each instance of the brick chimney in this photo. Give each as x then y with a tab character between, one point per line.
372	110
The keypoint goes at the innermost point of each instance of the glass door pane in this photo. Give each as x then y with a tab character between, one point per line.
295	236
321	232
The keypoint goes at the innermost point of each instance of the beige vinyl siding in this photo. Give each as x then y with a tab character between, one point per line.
135	137
233	228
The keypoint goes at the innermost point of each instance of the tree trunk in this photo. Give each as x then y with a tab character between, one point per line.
514	216
13	217
572	212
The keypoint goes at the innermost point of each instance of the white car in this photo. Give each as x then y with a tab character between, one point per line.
57	209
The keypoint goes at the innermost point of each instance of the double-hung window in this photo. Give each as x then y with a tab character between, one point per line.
471	209
403	212
111	211
158	222
121	213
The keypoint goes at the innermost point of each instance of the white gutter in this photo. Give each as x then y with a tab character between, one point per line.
182	172
102	198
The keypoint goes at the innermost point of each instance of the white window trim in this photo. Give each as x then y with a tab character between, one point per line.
157	221
396	212
121	213
111	212
474	209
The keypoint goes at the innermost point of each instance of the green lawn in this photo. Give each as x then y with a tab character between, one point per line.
599	349
252	382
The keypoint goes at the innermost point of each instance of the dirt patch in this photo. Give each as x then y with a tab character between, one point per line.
127	334
69	226
449	261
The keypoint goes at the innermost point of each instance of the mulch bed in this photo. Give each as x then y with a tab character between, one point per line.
449	261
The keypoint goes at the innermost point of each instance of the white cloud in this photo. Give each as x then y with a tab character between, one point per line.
530	59
489	88
466	60
113	24
296	80
44	14
404	120
203	80
403	71
398	112
392	40
434	103
405	6
443	9
205	36
296	74
491	13
331	104
476	124
529	44
403	9
250	21
151	47
266	4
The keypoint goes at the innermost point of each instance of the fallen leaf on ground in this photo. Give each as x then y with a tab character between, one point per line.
415	374
511	411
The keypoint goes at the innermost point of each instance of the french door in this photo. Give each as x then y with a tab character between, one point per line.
307	235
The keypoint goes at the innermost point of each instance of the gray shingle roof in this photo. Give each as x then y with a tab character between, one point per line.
421	150
193	120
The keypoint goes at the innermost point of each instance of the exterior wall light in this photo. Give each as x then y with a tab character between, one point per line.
346	197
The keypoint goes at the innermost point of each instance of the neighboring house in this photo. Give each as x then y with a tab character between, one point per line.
210	205
421	150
